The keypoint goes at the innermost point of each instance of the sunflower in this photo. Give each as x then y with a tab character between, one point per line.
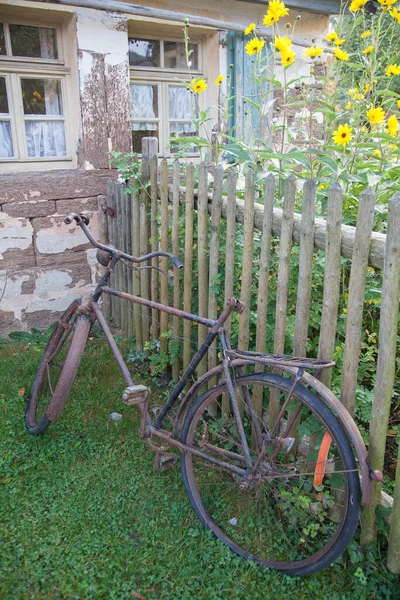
332	37
357	5
348	106
376	115
313	51
342	136
276	10
254	46
219	80
288	57
395	13
377	153
368	49
393	125
387	3
339	42
282	43
341	54
198	85
249	29
393	70
365	34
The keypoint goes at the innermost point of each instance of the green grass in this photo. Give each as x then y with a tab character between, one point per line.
84	516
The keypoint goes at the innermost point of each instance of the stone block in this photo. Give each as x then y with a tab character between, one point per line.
30	209
77	205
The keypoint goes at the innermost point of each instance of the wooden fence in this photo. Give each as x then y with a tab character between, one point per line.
245	246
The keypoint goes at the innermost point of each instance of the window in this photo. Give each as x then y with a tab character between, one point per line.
161	104
34	80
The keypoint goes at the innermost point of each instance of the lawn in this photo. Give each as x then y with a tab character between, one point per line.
84	516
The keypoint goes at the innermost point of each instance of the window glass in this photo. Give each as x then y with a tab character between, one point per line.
175	55
45	138
33	42
144	101
144	53
3	96
41	96
2	40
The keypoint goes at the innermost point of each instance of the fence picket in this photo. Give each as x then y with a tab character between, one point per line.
188	274
120	269
247	266
175	252
144	242
136	274
104	239
112	228
214	258
283	280
164	247
385	372
355	303
230	241
202	254
154	244
305	269
263	282
331	280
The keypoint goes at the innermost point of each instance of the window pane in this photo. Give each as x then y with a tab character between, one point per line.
144	53
140	131
35	42
144	101
3	97
6	145
175	55
45	138
182	104
2	40
42	96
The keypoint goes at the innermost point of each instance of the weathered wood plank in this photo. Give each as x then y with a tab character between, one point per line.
230	241
136	274
175	251
283	282
385	371
305	269
164	247
355	304
331	281
202	257
247	265
378	240
103	226
214	259
154	244
188	274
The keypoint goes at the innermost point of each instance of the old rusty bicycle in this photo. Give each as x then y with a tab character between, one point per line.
270	459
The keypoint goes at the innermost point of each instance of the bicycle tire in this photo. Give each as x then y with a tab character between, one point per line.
53	381
273	522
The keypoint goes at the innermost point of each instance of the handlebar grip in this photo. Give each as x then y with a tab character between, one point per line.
177	263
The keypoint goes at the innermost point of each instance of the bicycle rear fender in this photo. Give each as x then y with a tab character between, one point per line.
322	392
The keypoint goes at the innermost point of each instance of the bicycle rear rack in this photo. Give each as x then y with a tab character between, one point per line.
281	360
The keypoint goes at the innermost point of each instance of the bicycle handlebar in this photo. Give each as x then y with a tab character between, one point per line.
83	221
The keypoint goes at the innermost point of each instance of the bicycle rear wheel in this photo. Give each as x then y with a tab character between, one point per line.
57	370
281	518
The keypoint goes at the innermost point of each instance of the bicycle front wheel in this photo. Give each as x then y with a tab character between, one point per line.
57	370
299	509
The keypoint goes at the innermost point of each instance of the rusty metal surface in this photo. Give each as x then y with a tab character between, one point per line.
324	393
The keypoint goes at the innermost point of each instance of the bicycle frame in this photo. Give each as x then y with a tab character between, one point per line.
295	371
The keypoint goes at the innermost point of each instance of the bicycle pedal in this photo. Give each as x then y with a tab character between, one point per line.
135	394
163	462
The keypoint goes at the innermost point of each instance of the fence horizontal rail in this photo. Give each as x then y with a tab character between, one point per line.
378	240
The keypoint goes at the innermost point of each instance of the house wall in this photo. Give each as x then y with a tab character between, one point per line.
44	264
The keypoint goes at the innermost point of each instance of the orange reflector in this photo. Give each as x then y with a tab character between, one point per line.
321	460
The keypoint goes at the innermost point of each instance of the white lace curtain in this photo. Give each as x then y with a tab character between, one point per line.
47	138
142	103
180	107
6	145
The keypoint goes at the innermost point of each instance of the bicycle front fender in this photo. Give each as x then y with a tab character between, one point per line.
343	415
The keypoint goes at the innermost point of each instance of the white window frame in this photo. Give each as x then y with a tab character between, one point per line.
15	68
163	77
